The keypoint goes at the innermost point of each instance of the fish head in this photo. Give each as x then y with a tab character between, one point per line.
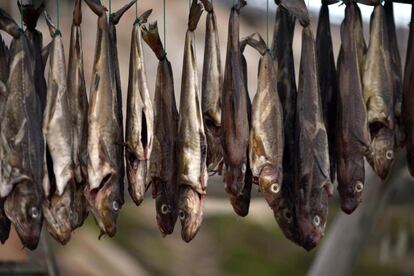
270	183
57	212
167	213
23	207
351	179
234	179
137	177
286	219
79	207
312	217
105	203
190	212
382	154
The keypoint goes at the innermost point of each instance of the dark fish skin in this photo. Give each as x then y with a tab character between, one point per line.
139	118
164	163
192	143
286	85
30	16
408	97
327	81
361	46
241	202
396	73
22	140
4	63
78	106
105	190
266	135
212	86
353	139
234	121
312	181
379	95
296	8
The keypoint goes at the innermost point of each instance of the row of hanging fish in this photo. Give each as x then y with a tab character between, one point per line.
63	156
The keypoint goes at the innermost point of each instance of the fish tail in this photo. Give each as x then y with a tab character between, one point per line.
259	45
144	17
77	13
208	5
195	13
115	17
239	5
52	28
31	18
8	24
96	7
244	42
152	37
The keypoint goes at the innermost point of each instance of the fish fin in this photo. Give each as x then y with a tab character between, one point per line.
77	13
152	37
259	45
45	54
8	24
52	28
244	40
195	13
298	9
144	17
208	6
96	7
239	5
115	17
31	16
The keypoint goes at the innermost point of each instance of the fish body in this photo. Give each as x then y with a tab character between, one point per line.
212	85
234	121
78	106
327	81
312	181
408	97
4	63
105	160
266	134
139	119
163	162
353	139
192	143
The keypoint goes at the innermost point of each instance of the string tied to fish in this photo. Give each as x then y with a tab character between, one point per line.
58	15
165	27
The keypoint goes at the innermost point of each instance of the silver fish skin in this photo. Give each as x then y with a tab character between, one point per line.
234	120
192	143
22	140
266	134
211	89
139	118
163	163
57	127
312	181
78	106
104	191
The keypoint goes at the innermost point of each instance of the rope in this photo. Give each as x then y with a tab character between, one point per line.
58	13
267	22
21	16
165	28
136	10
110	7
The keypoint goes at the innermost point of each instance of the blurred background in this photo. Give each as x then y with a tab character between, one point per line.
377	239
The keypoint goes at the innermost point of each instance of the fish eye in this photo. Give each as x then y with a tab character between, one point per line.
316	220
181	214
115	206
164	209
275	188
359	187
389	154
287	215
243	168
34	212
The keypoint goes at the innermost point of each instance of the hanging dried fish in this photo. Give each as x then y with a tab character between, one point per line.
312	184
105	175
361	47
78	106
296	8
408	97
21	140
379	95
30	14
234	121
212	85
139	119
353	139
396	73
266	135
192	144
164	163
327	81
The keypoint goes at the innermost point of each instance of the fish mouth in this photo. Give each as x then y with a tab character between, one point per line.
240	206
192	208
310	241
61	233
29	235
166	222
349	205
137	178
234	179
